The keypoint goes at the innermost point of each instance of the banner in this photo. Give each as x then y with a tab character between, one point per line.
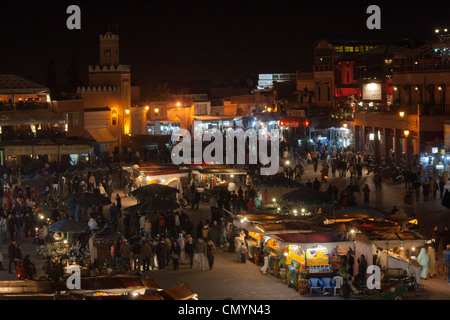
18	150
50	149
74	149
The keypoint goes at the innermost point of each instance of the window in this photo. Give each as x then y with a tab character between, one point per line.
318	93
107	54
348	77
73	119
349	49
328	93
201	109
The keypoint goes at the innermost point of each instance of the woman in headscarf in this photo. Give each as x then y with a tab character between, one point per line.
432	267
424	260
258	198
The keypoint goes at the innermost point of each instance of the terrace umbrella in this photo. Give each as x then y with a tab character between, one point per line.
282	181
87	199
154	191
36	180
308	196
152	205
364	211
68	226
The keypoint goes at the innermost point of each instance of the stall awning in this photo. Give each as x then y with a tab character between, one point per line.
216	118
293	122
313	237
102	135
212	169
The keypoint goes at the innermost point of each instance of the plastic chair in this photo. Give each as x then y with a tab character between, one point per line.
338	281
315	283
327	283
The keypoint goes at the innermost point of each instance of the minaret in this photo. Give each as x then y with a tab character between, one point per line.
109	49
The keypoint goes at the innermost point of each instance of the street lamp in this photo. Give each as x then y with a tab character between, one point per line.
401	114
178	104
345	125
406	132
147	107
127	111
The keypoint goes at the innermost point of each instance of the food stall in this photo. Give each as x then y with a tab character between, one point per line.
312	252
397	251
213	176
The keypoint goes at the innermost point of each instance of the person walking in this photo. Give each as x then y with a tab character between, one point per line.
435	237
146	256
117	253
362	267
366	192
113	214
445	237
161	253
190	250
201	252
125	254
148	229
424	260
210	250
176	250
266	253
119	205
19	225
11	226
181	245
447	261
136	251
12	255
243	252
432	267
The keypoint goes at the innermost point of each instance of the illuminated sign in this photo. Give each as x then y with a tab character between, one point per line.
371	91
265	76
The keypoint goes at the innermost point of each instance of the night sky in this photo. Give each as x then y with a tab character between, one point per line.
199	40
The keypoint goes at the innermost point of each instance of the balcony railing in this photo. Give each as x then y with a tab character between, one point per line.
408	109
23	105
29	135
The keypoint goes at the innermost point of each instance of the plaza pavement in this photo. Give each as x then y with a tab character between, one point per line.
230	279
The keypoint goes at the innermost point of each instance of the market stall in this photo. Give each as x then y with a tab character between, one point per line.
313	252
398	250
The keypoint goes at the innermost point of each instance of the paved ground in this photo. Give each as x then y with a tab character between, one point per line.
238	281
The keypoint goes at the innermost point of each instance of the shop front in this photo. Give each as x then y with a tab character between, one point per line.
203	123
163	127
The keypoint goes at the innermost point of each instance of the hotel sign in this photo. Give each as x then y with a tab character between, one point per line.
371	91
